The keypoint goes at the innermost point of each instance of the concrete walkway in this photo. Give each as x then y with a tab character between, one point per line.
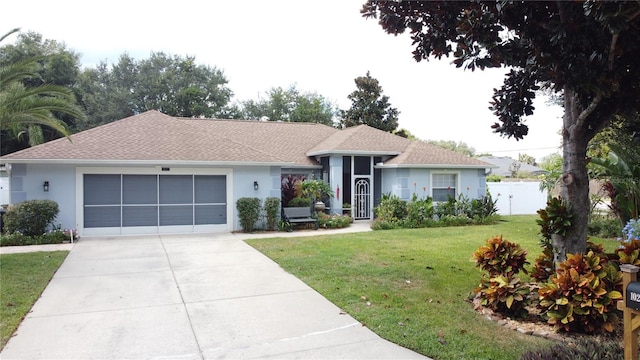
188	297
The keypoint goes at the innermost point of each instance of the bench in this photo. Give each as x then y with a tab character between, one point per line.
299	215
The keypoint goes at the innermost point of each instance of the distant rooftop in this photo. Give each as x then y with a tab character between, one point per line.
506	166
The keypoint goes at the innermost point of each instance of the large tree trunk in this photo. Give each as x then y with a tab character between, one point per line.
575	180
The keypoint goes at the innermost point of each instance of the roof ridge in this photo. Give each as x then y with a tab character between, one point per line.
307	123
353	130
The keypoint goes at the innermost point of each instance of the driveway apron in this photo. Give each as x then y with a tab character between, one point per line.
186	297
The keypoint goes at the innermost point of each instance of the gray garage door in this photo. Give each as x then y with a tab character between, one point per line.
126	201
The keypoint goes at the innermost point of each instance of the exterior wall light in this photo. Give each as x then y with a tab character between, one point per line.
45	186
255	185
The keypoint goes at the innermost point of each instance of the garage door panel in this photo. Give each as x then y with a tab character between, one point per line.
176	189
176	215
140	216
210	189
211	214
140	189
102	216
101	189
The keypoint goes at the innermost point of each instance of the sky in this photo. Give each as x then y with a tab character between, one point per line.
318	46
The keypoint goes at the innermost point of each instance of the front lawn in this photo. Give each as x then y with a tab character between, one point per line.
23	278
412	286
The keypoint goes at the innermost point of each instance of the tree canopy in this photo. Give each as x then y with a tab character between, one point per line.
172	84
586	50
370	107
29	105
460	147
527	159
290	105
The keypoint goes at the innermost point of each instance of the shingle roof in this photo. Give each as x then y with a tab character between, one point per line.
155	137
361	138
420	153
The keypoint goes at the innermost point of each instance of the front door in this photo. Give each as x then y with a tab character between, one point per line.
362	198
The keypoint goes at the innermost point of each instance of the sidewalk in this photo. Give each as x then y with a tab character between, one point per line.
34	248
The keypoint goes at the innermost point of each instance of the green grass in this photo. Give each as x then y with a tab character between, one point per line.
23	278
411	286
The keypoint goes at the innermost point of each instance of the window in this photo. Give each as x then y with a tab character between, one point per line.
443	186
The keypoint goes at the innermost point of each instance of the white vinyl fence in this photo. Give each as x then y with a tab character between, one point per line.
518	197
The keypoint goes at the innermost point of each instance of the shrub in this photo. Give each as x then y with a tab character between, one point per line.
271	209
333	221
502	291
289	184
300	202
584	349
500	257
447	208
419	212
391	209
487	220
31	217
454	220
581	296
604	226
463	206
543	266
380	224
18	239
504	294
484	207
285	226
555	218
15	239
52	237
318	190
248	212
629	253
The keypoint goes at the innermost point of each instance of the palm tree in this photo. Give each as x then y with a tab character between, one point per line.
30	108
621	168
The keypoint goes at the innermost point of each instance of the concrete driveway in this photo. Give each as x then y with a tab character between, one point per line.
186	297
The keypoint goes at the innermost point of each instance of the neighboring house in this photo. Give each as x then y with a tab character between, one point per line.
506	166
153	173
